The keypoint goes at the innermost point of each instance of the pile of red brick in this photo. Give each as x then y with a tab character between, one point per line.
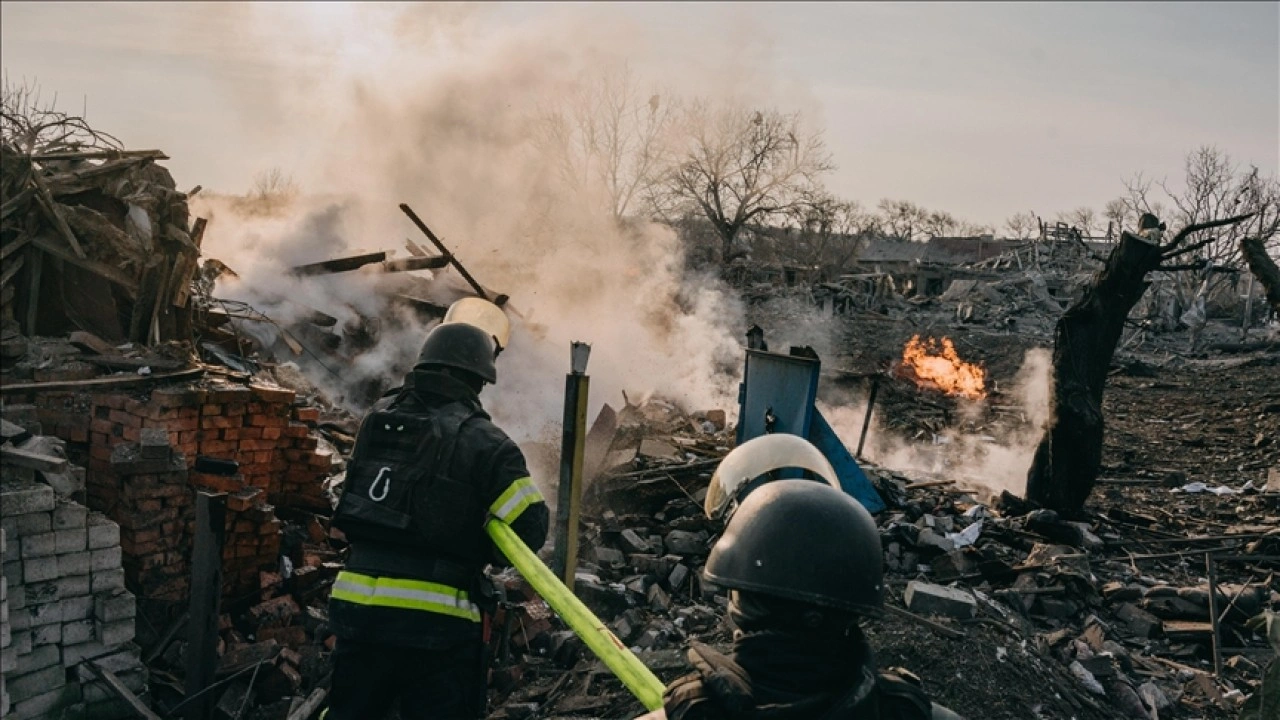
280	464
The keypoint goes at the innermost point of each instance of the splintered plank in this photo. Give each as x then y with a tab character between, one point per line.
338	265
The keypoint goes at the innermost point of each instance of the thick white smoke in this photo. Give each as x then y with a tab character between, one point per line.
989	464
433	107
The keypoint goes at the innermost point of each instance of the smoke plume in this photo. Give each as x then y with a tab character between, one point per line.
434	107
989	464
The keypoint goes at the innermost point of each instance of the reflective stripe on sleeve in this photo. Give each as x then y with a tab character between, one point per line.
519	495
405	594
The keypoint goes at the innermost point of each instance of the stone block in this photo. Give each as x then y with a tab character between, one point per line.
21	644
69	515
39	569
20	498
930	599
32	523
684	543
72	654
29	685
76	563
45	614
78	631
115	633
104	559
115	605
106	580
679	573
103	533
46	704
72	586
37	546
39	658
47	635
71	540
17	594
77	608
154	444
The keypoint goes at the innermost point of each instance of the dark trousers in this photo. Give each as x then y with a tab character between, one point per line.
369	678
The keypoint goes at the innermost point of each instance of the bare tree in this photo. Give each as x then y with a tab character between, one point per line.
1213	185
744	167
608	138
826	232
1082	218
903	219
1023	226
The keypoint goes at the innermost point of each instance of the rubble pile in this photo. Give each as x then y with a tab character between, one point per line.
94	238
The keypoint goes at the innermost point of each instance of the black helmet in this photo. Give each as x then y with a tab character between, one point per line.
462	346
802	540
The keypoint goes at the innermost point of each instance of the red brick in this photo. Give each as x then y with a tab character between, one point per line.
187	436
186	424
307	414
296	430
217	447
272	433
252	433
100	452
131	434
208	410
230	433
307	443
124	419
220	422
267	421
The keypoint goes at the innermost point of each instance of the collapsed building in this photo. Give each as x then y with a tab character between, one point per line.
133	397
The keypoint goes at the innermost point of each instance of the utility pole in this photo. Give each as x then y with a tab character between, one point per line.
564	560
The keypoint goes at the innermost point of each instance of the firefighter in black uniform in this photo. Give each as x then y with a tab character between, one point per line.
427	471
803	564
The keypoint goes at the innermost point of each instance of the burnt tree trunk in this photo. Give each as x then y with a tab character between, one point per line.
1263	268
1069	456
1067	460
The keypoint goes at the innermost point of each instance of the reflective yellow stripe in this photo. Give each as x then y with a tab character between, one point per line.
405	594
519	495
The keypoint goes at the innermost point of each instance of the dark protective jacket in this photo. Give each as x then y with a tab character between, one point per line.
414	595
792	680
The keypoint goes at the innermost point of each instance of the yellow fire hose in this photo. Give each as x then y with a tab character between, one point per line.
639	679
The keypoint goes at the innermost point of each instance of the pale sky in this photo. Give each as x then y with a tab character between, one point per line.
982	109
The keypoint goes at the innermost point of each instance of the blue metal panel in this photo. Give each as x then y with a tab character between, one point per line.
786	385
852	480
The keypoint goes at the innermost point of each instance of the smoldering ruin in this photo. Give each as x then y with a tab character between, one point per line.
1067	426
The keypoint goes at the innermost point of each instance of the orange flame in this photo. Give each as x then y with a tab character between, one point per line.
943	369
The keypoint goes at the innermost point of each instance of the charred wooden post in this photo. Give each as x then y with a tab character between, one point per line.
1263	268
1066	463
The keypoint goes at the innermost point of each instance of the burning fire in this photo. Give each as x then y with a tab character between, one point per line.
943	369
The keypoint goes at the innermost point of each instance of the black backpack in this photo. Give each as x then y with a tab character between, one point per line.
397	487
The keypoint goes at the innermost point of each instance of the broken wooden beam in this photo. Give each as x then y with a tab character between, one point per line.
14	246
122	692
46	202
133	364
444	250
90	342
338	265
115	275
430	262
101	155
12	270
115	381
